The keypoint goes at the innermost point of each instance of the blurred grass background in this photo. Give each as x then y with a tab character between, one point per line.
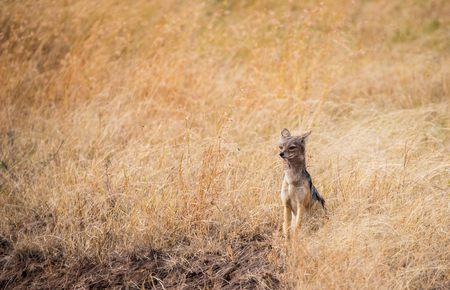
134	124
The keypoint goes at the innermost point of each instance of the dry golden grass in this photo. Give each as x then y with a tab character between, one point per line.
153	125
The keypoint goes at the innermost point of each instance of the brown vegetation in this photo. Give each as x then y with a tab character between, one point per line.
138	143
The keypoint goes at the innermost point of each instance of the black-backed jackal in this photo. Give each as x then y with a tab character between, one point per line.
297	191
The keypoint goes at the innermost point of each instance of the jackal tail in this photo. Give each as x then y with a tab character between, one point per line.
316	196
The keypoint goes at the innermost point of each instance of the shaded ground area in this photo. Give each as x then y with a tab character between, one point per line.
244	264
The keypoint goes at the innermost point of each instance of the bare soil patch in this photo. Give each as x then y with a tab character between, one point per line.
247	267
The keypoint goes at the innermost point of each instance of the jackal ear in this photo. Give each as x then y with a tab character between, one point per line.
305	136
285	133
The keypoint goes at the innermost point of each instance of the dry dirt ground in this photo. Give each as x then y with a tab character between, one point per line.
247	267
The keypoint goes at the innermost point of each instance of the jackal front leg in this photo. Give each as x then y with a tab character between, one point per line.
299	218
287	221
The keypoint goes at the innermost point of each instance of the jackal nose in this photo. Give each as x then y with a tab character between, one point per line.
282	154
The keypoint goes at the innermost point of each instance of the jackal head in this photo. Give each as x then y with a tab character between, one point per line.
292	148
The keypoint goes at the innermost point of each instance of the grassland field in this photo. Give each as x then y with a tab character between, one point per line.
138	143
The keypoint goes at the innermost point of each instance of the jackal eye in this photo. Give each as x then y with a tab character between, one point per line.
281	147
292	147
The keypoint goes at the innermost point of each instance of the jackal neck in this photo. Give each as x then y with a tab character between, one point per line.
297	165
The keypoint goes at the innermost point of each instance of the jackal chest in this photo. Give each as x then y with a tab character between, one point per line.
292	192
